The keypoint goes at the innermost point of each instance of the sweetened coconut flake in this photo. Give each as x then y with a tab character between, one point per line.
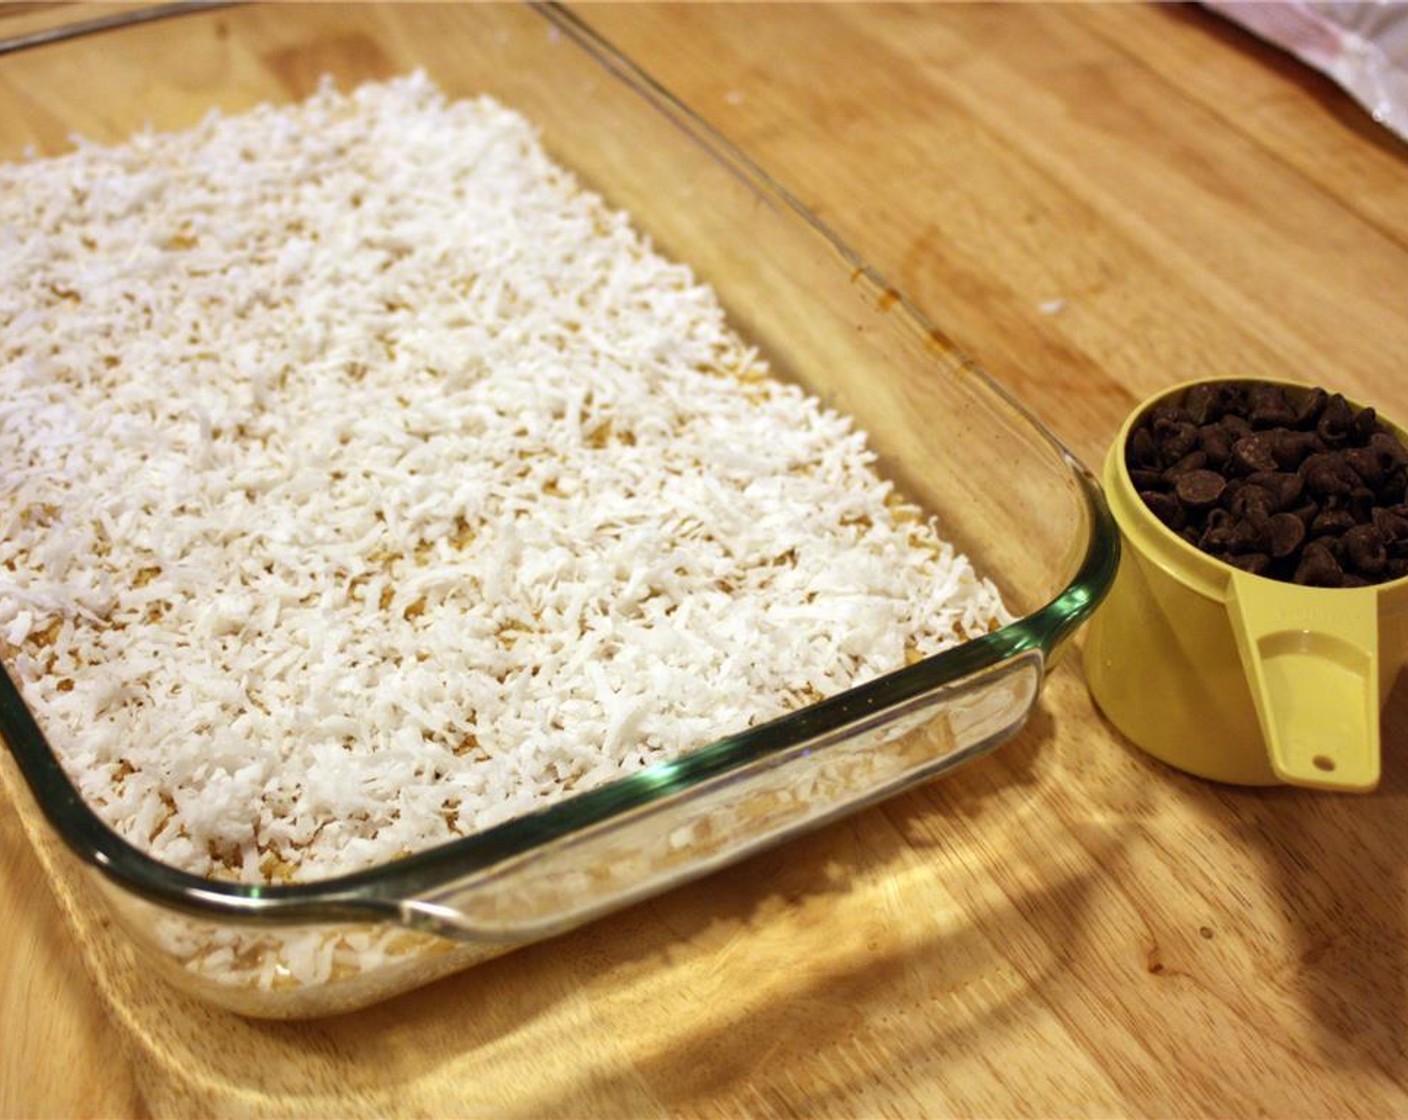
368	483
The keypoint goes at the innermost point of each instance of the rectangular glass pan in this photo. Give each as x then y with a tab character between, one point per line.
1004	491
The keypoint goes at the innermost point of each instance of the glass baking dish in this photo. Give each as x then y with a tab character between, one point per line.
1002	488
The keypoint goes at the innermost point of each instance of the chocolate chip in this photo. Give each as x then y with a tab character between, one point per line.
1365	424
1287	534
1290	449
1318	568
1332	522
1360	504
1236	426
1255	562
1253	453
1217	532
1385	444
1167	414
1166	508
1142	452
1268	406
1216	443
1193	461
1310	407
1285	487
1330	544
1251	533
1391	523
1215	542
1364	550
1175	440
1326	474
1252	500
1199	489
1372	467
1203	402
1336	421
1393	489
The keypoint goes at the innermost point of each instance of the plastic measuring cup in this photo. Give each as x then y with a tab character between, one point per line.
1237	677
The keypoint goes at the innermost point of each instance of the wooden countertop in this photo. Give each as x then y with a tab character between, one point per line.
1096	201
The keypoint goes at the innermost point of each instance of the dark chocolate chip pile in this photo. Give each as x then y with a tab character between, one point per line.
1294	485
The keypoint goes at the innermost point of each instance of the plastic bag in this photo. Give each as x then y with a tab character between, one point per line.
1361	46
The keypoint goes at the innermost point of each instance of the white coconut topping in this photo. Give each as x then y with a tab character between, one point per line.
366	483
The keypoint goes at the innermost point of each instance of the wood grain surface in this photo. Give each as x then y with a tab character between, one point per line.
1096	201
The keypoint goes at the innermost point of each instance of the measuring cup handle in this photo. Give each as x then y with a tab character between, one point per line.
1309	657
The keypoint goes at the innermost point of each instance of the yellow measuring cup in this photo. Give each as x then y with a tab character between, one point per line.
1237	677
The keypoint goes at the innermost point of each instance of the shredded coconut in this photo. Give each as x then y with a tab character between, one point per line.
367	483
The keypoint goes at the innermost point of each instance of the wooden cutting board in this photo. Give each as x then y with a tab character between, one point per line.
1097	201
